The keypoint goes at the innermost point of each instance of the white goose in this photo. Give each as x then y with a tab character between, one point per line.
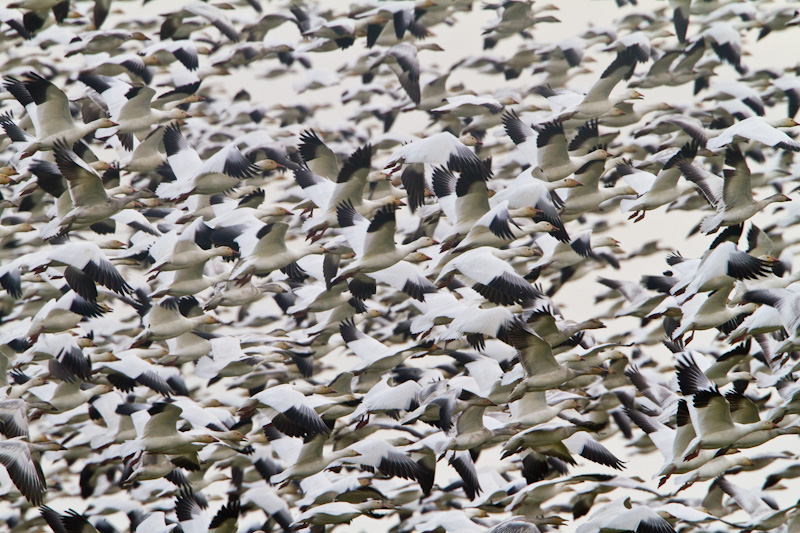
736	204
530	189
373	241
130	107
222	171
263	249
598	101
542	371
165	321
48	108
90	200
757	129
23	463
494	277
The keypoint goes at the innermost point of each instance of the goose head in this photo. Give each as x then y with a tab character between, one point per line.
224	251
545	227
46	445
268	164
416	257
605	242
571	182
104	123
315	249
777	198
424	242
205	439
630	94
378	176
783	123
178	114
469	139
527	212
111	244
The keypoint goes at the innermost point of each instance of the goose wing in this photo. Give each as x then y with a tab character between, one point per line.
535	355
85	185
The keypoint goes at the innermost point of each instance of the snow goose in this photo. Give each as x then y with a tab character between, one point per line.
763	517
157	433
497	228
513	18
736	204
165	52
376	357
785	301
653	191
373	241
130	107
147	155
557	255
726	42
289	410
86	265
536	408
403	61
192	280
382	398
23	463
713	469
671	442
347	187
542	371
380	455
553	156
222	171
14	418
339	512
597	101
530	189
472	430
190	247
623	515
212	14
757	129
130	371
468	105
66	360
464	199
639	302
494	278
263	249
718	269
694	374
90	200
319	158
591	197
67	396
165	321
401	16
710	311
64	314
711	417
50	115
561	442
557	331
192	518
439	149
311	460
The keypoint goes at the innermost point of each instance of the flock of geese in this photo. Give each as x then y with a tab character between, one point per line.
223	312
